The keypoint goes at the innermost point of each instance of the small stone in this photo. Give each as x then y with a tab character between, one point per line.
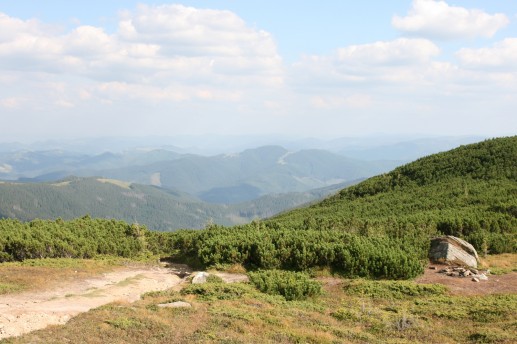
474	271
482	277
474	279
443	271
466	273
177	304
432	267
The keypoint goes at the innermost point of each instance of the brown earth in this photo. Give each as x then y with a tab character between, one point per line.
496	284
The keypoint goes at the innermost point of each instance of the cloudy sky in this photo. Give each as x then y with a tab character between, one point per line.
300	68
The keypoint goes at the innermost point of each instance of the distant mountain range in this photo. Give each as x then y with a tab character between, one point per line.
224	178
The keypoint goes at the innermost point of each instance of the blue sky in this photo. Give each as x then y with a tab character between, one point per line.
300	68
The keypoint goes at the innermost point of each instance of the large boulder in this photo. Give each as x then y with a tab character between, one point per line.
453	250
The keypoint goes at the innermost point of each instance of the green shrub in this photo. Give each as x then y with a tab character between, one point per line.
291	285
216	291
214	279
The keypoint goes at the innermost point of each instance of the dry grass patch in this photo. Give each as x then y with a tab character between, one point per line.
35	274
119	183
500	263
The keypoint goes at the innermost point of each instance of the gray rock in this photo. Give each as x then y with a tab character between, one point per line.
481	277
177	304
474	279
474	271
200	277
453	250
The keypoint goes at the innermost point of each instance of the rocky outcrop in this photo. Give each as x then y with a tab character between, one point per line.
452	250
458	271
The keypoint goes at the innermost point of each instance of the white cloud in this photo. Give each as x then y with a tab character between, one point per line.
353	101
10	103
502	55
437	19
384	61
401	84
162	45
6	168
175	69
397	52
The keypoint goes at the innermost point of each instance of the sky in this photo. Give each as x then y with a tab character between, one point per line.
324	69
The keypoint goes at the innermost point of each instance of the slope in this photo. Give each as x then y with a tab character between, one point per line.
469	192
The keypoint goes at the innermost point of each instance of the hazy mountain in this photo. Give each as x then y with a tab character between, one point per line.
223	178
55	164
232	178
405	150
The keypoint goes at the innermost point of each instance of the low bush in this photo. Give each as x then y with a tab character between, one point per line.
217	291
291	285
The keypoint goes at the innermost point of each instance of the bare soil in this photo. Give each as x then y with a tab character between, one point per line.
58	302
28	311
496	284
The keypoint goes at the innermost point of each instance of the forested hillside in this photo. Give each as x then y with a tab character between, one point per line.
157	208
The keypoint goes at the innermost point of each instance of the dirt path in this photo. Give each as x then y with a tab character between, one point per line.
29	311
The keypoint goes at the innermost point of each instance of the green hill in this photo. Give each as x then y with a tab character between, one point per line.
469	192
157	208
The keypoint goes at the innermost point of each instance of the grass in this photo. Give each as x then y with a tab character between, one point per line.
6	288
347	311
500	264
